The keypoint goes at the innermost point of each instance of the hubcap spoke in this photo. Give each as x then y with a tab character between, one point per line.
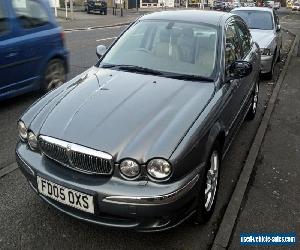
255	98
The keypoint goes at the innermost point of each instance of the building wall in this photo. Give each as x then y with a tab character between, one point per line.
156	3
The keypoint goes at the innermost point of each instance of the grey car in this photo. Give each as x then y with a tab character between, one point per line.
265	29
136	141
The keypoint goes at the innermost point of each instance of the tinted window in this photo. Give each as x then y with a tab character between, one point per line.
3	20
256	19
30	13
168	46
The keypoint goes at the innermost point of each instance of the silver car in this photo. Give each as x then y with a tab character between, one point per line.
265	30
296	6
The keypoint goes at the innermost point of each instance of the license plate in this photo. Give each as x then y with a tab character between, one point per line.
65	195
97	4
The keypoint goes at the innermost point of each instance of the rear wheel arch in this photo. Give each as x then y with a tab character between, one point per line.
60	57
59	77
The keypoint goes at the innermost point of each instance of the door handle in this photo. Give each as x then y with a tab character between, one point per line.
12	54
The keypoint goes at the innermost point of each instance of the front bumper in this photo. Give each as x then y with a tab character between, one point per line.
266	64
142	206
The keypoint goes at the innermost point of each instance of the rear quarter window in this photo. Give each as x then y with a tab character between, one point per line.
30	13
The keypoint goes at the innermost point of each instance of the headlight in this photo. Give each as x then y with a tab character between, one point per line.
130	168
22	130
265	52
159	168
32	141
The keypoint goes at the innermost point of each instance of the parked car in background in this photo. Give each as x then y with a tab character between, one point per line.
249	4
277	5
265	29
236	4
217	5
270	4
96	6
296	6
222	6
32	51
228	6
136	141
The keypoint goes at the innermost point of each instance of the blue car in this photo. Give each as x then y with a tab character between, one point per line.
32	51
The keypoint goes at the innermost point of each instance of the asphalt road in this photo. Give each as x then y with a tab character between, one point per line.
28	223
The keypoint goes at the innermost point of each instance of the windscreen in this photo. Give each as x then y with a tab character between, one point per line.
256	19
167	46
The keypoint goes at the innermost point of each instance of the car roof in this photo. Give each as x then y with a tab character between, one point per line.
201	16
255	9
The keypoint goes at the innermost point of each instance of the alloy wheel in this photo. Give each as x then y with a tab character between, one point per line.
212	181
55	75
255	98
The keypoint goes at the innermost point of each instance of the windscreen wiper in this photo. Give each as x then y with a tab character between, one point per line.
190	77
132	68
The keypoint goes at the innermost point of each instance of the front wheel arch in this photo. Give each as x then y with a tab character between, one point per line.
216	134
204	212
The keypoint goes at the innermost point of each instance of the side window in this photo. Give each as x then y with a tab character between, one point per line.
244	37
30	13
3	20
232	47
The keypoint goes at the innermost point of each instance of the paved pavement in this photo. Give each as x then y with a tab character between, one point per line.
29	223
272	202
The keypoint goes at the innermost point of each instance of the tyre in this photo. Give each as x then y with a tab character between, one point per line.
279	56
54	76
253	108
270	74
209	186
105	12
88	10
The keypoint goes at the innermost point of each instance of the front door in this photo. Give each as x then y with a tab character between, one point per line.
12	74
233	89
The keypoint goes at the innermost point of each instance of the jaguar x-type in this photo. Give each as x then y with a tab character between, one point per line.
136	141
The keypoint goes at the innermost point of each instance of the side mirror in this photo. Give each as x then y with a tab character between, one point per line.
278	28
101	49
240	69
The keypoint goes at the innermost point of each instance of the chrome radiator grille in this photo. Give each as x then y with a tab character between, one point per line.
77	157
